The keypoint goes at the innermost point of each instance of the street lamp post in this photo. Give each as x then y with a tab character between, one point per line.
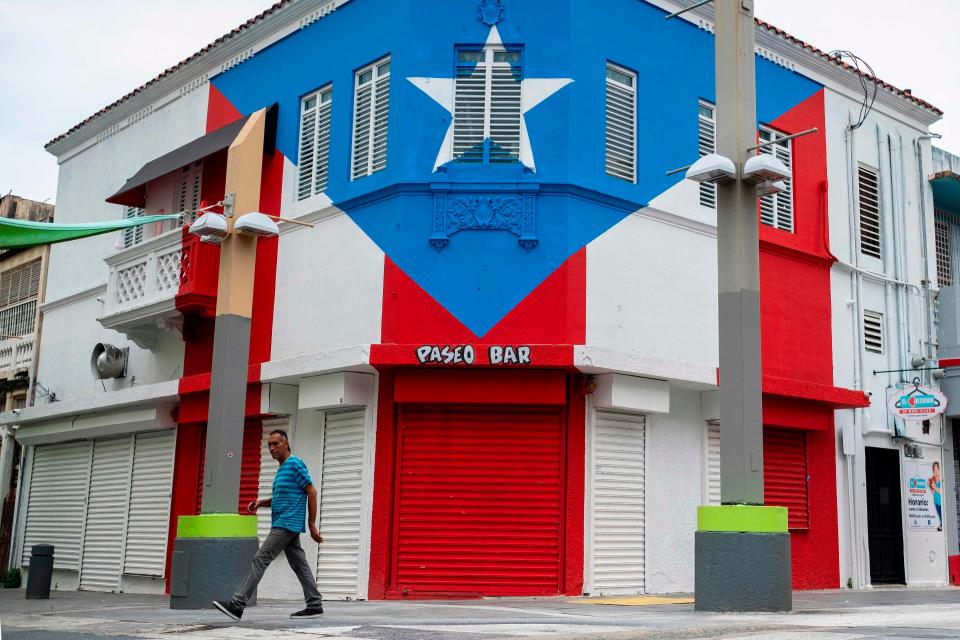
742	558
212	550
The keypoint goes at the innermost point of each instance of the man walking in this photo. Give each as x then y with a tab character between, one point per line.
293	495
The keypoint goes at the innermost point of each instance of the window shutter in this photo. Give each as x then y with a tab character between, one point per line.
188	191
313	171
944	231
707	144
869	190
370	119
621	117
785	474
487	106
711	465
132	235
776	209
873	331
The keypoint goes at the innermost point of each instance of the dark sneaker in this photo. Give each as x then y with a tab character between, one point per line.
309	612
227	607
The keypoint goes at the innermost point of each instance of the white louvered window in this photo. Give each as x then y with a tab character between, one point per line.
868	187
132	235
947	230
187	196
873	331
621	120
313	171
711	465
487	107
707	144
20	283
371	104
776	210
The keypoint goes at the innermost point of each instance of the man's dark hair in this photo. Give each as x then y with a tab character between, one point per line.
282	433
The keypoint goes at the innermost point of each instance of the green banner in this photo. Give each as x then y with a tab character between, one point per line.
20	234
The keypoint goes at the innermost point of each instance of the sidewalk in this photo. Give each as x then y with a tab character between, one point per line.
834	615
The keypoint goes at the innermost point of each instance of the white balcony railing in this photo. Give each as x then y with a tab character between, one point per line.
17	354
143	281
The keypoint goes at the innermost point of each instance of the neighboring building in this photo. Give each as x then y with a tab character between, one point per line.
496	348
22	275
945	183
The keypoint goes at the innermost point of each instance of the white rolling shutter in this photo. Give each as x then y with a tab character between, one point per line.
149	512
711	465
56	501
340	498
618	546
106	515
268	471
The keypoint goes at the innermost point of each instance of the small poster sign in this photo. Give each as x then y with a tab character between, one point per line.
915	402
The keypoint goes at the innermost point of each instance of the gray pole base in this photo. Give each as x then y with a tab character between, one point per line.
742	572
207	569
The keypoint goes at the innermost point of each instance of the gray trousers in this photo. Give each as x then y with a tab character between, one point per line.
289	543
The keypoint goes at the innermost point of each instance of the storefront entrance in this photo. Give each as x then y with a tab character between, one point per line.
884	521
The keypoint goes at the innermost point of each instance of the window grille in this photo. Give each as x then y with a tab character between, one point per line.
487	108
370	119
313	170
873	331
776	210
132	235
871	238
947	230
621	120
707	144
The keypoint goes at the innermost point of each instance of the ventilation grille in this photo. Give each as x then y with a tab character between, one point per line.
776	210
370	119
869	188
621	140
707	144
873	331
314	143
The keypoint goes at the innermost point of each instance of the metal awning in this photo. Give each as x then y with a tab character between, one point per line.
946	191
133	192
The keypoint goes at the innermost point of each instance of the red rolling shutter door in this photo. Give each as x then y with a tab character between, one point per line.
785	474
480	501
249	466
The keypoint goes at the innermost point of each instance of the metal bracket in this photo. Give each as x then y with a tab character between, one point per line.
228	201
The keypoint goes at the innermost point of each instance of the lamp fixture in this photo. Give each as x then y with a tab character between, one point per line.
256	224
210	228
765	168
768	188
712	168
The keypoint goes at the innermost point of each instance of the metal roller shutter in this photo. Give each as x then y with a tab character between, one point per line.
106	515
146	545
56	501
480	501
785	474
340	499
711	466
618	549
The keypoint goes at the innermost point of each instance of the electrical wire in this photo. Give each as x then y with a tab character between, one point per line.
868	81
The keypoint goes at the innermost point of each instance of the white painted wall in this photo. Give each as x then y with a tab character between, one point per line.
674	491
652	289
885	142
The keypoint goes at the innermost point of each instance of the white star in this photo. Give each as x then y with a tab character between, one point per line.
533	91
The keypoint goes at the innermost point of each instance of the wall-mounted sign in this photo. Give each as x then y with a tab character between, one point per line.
915	402
924	497
467	354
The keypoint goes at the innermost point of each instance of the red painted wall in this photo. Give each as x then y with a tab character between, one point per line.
797	343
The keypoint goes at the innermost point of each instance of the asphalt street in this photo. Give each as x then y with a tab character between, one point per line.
835	615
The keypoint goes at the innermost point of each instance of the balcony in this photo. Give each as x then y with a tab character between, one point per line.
152	284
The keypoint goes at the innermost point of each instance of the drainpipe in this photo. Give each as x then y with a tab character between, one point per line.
859	554
927	283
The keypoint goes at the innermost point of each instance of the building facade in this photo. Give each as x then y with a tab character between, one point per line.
496	346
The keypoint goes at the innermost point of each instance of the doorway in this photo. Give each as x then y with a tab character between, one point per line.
884	521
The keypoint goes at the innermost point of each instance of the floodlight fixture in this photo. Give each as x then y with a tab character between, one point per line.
256	224
765	168
712	168
768	188
210	228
